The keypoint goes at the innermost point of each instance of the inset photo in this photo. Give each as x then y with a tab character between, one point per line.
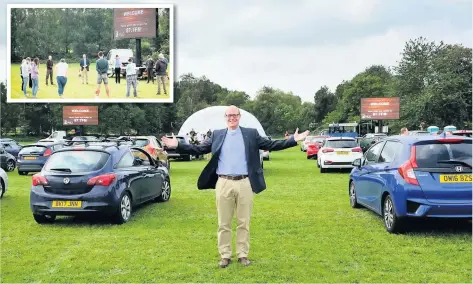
90	53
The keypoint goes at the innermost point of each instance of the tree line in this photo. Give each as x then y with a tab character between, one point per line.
69	33
433	81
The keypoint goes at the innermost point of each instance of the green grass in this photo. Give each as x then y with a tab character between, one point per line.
76	90
302	230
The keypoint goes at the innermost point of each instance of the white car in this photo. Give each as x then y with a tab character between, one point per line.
338	153
3	182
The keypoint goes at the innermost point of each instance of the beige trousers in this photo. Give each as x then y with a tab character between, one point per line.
85	77
233	195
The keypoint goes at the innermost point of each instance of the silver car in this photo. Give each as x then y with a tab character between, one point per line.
3	182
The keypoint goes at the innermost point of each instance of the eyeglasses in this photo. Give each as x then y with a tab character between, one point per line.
232	115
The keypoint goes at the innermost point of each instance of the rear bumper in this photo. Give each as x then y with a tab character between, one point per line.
423	208
98	200
29	167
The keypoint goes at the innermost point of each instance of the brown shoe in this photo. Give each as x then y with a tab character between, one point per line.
224	262
244	260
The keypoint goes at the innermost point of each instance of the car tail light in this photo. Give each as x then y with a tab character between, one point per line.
356	149
327	150
406	170
265	150
47	153
450	140
39	180
104	180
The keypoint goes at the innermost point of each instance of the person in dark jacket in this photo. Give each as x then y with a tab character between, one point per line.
49	70
149	68
84	69
235	172
161	73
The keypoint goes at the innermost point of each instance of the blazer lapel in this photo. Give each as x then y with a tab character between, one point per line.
244	132
221	139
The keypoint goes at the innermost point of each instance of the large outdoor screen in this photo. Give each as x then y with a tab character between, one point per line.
380	108
134	23
80	115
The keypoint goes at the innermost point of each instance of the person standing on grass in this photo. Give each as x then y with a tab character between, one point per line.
35	76
61	70
149	68
84	69
235	172
49	70
131	78
25	73
23	62
161	73
118	64
102	68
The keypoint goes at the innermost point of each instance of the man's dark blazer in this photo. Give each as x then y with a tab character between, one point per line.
253	143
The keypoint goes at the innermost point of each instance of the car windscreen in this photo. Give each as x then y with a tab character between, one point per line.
33	149
77	161
316	140
141	142
341	144
443	155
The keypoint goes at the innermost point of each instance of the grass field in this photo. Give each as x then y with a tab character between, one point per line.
302	230
76	90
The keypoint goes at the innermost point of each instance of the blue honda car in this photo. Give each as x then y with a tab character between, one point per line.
100	178
414	176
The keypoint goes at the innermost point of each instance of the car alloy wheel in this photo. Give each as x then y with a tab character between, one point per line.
125	207
10	165
353	202
165	191
388	213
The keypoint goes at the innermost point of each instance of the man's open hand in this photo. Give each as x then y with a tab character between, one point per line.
170	142
300	136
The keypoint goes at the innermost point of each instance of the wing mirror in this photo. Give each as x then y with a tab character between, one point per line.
357	163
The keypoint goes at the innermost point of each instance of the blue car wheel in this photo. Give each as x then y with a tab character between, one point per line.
392	222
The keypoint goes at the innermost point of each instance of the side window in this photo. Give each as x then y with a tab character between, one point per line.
371	155
389	152
126	161
144	159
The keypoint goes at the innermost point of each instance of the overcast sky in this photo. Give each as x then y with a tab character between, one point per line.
297	46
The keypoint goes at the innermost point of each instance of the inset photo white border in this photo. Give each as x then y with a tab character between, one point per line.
92	75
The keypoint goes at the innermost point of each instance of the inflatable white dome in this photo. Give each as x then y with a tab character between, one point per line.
214	118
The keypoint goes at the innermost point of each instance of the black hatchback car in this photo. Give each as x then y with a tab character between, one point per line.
100	178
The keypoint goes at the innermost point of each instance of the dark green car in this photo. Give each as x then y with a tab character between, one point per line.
369	139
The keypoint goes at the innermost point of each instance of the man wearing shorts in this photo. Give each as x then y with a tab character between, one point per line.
102	68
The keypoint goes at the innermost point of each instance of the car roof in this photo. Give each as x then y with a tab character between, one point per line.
341	138
417	138
108	147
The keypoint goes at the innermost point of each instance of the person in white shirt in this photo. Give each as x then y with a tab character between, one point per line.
61	71
25	74
131	78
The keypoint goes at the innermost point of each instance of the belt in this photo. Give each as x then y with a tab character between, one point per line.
233	177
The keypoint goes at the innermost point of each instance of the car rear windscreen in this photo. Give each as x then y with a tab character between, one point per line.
430	155
36	149
317	140
341	144
77	161
141	142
